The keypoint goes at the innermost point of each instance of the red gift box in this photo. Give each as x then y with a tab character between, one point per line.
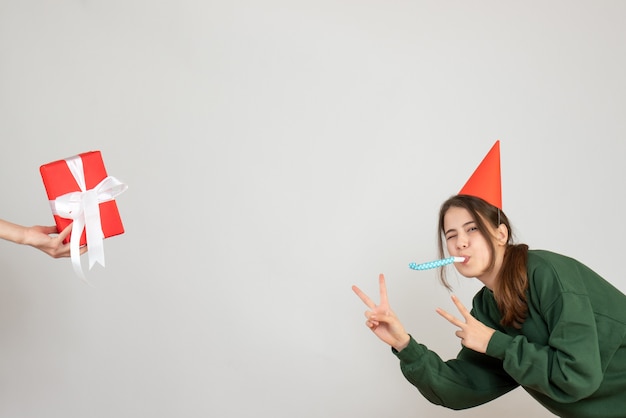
59	180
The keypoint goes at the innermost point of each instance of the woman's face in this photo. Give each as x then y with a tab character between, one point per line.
463	239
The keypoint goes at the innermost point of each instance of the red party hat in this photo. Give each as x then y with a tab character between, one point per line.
485	181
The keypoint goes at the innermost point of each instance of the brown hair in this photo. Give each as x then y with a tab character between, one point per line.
510	291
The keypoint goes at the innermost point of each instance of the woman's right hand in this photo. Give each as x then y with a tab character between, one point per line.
45	238
381	319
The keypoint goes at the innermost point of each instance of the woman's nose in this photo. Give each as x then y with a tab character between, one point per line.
461	242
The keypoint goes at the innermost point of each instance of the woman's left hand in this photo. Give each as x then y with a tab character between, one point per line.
473	334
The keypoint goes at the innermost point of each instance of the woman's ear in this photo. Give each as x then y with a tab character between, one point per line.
502	234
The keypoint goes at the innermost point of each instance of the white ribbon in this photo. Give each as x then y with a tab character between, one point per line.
83	208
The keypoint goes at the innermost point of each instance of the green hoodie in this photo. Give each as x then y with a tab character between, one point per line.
570	353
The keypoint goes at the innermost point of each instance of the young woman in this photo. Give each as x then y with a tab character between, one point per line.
542	321
40	237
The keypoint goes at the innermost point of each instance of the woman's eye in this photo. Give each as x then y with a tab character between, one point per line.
449	237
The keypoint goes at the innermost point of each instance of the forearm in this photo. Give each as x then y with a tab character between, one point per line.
566	373
45	238
12	232
470	380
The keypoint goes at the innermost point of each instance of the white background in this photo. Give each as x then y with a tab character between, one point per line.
276	153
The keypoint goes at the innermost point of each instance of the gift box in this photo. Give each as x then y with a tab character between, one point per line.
63	177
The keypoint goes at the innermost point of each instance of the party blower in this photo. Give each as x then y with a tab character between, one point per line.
437	263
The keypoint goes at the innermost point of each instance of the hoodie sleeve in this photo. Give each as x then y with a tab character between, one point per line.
568	367
467	381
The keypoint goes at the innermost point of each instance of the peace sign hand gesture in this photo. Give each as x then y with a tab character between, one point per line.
381	319
473	334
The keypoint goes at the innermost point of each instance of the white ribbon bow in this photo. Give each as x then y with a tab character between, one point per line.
83	208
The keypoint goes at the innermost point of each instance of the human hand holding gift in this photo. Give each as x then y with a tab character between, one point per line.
81	192
49	240
44	238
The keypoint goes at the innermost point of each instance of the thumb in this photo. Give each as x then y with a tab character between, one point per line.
66	231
